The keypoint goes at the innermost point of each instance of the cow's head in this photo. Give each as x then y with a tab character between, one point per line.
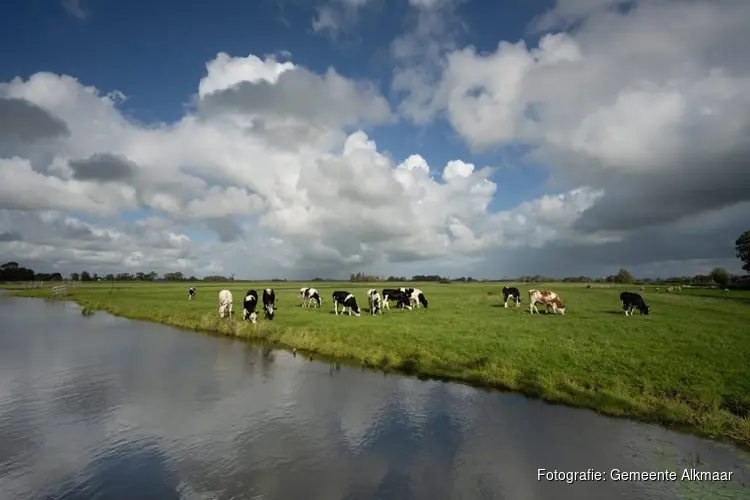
268	309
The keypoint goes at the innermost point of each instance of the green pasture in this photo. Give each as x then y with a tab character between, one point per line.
686	365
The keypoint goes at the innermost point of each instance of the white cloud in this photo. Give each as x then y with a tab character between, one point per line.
281	173
651	113
279	162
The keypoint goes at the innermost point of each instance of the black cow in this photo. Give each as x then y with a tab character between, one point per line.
401	298
249	305
269	302
511	292
630	301
191	293
347	300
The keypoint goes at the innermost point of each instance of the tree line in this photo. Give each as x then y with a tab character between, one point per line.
12	271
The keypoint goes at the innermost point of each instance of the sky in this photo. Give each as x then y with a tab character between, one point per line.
295	138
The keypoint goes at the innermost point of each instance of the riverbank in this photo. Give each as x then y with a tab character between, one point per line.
684	366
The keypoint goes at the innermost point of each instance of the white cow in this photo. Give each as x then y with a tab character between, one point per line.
376	301
225	303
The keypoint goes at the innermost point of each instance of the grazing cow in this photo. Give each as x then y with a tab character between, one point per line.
191	293
401	298
249	305
225	303
511	292
548	299
269	302
416	297
630	301
347	301
309	295
376	301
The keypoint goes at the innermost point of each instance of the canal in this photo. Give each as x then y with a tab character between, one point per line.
108	408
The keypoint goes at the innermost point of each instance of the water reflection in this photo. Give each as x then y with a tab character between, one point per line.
103	407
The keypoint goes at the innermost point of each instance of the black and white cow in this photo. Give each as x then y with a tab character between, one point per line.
191	293
308	296
630	301
511	292
401	298
416	297
347	301
249	305
269	302
376	301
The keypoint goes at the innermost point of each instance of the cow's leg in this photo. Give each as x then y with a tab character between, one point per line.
336	307
506	301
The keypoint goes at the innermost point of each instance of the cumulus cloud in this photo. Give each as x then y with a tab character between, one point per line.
432	32
654	114
643	124
25	120
103	167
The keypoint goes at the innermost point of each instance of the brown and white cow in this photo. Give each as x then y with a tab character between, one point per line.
548	299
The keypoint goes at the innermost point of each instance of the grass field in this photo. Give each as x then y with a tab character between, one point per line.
687	365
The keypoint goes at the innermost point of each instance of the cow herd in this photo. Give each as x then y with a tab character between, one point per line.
629	301
404	298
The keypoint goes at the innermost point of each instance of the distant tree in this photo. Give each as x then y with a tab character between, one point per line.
623	276
11	271
721	276
95	277
85	276
742	246
75	276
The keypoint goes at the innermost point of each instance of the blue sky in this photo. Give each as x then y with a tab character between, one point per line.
582	158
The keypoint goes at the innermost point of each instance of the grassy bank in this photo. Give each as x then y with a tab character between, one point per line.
685	365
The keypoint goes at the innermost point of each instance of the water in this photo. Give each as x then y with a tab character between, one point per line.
106	408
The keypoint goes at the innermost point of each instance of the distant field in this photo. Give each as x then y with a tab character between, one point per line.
685	365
